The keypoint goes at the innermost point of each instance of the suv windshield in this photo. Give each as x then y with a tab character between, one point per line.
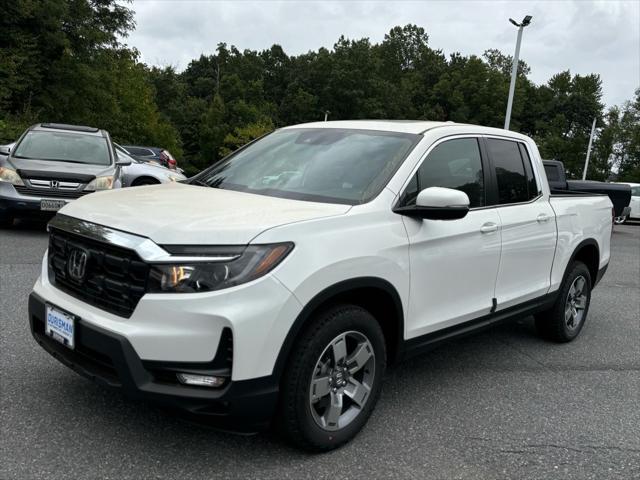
64	147
322	165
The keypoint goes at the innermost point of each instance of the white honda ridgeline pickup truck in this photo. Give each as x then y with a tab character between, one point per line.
279	283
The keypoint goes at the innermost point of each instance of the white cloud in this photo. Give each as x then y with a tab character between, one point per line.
585	37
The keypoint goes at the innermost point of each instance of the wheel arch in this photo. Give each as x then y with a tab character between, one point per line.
587	252
371	293
139	180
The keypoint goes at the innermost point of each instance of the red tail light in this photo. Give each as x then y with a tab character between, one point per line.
165	156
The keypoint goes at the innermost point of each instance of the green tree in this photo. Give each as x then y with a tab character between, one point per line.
563	130
62	62
243	135
626	147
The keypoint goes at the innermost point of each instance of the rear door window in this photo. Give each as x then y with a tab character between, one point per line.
532	184
514	184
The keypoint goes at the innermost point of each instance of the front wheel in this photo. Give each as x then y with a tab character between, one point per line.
144	181
564	321
333	379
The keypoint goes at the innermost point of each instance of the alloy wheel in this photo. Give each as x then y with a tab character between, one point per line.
576	303
342	380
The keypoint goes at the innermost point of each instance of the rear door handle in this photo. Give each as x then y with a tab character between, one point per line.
489	227
543	217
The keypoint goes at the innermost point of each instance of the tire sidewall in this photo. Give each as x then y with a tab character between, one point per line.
344	319
579	269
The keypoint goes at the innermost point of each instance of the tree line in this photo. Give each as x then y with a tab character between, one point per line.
63	61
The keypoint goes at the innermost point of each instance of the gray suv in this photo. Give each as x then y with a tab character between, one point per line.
51	164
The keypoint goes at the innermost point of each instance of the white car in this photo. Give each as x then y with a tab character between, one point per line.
279	283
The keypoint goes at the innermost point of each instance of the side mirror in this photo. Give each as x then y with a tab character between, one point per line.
123	162
437	203
5	150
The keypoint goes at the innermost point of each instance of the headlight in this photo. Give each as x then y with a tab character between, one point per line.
100	183
252	262
10	176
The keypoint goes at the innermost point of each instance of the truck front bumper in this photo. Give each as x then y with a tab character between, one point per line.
109	359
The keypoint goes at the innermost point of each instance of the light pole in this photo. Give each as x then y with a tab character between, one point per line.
514	69
586	162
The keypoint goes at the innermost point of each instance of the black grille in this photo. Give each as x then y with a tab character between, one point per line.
49	193
115	278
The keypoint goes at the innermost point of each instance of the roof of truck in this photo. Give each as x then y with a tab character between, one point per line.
403	126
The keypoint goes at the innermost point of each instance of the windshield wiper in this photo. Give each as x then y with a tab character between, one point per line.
50	159
65	161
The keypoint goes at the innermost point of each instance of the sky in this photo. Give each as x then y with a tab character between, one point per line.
601	36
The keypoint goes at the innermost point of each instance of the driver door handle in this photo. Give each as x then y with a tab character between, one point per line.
489	227
543	217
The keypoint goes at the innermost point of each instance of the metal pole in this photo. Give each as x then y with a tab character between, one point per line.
326	115
586	162
514	74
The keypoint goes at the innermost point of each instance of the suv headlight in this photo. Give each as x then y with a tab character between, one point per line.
249	263
100	183
10	176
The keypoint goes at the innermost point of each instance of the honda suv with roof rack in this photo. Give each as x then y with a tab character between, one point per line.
53	163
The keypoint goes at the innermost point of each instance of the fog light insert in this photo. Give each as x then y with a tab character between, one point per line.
200	380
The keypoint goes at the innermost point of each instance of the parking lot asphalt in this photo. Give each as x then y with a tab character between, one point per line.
501	404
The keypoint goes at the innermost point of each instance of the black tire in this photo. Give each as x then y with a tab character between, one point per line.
296	419
553	323
144	181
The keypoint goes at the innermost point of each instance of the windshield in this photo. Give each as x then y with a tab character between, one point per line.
122	154
322	165
64	147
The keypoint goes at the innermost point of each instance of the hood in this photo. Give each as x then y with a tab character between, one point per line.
176	213
48	168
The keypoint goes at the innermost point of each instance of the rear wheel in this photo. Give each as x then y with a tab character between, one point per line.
333	379
564	321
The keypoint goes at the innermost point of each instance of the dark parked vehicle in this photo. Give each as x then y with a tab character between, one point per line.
152	154
54	163
619	194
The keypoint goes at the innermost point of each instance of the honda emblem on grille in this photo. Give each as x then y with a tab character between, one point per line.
77	264
54	184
